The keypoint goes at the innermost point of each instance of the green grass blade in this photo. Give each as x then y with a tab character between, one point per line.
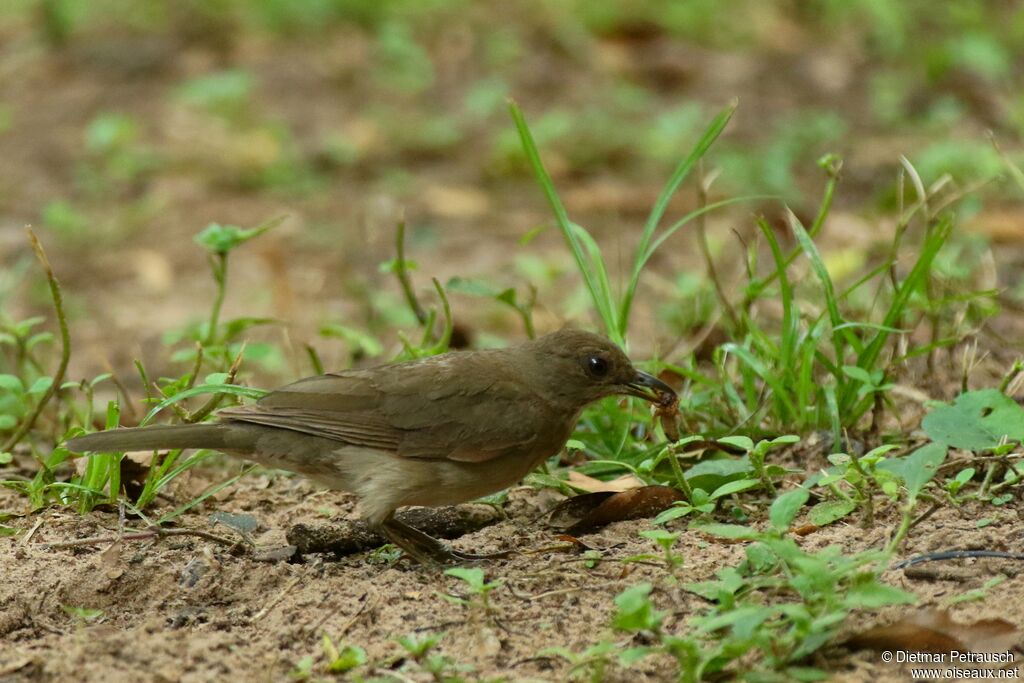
834	417
202	389
774	382
840	338
606	306
715	129
102	468
933	243
806	386
790	312
696	213
598	292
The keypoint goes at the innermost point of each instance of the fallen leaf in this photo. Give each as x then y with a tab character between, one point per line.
153	270
453	201
110	559
935	631
1001	225
594	510
589	484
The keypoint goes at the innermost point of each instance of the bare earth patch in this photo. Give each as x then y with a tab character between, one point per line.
187	608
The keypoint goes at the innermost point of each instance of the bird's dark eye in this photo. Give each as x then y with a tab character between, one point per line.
597	366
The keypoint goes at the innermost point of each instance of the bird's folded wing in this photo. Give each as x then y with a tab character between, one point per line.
355	428
467	424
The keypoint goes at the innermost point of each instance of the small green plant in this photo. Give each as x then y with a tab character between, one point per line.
423	650
592	664
507	296
701	502
100	480
213	340
223	93
334	659
666	540
479	588
754	610
83	615
342	659
431	341
115	159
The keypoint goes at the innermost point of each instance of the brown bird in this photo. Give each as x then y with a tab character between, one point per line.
432	431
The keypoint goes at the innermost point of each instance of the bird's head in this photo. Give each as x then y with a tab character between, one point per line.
583	367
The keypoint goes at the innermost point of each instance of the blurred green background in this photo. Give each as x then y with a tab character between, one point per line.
126	127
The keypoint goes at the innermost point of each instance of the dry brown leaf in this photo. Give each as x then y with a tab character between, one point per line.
110	559
935	631
594	510
451	201
1002	225
589	484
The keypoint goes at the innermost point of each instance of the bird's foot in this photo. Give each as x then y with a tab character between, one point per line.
429	551
457	557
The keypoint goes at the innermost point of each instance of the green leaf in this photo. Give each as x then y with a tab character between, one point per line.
11	383
976	420
744	442
635	610
472	287
760	557
585	251
735	487
785	508
221	239
474	577
84	613
872	595
806	673
711	474
366	343
829	511
41	385
918	468
675	512
395	266
645	248
232	389
346	659
419	645
725	530
859	374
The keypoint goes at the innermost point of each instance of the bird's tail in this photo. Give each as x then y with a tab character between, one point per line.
213	435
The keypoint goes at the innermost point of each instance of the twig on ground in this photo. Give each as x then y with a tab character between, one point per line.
277	599
143	535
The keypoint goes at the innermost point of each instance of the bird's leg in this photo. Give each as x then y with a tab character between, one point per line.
425	548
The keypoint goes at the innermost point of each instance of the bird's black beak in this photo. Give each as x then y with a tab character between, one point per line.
643	384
